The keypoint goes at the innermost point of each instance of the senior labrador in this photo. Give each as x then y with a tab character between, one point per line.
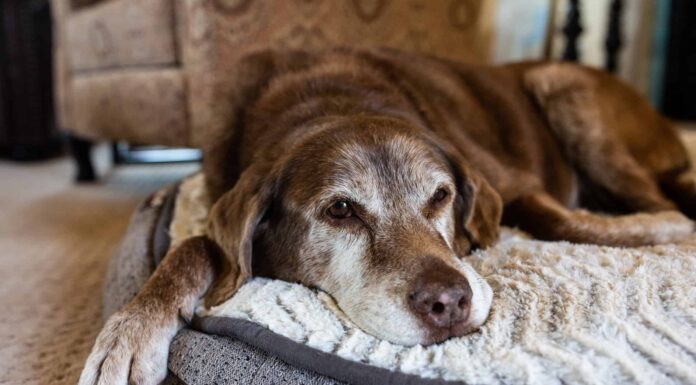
367	174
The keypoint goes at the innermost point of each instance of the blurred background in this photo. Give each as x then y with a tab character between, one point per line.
134	73
120	92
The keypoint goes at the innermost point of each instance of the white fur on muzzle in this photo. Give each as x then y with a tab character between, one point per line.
481	295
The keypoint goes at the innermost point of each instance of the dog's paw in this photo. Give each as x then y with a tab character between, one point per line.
671	227
132	348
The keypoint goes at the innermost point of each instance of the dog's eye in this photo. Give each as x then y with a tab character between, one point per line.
340	210
439	195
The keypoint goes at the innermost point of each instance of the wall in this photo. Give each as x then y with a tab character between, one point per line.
520	30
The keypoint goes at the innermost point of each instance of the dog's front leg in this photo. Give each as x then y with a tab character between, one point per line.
133	346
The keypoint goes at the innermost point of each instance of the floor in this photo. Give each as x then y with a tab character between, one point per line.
55	240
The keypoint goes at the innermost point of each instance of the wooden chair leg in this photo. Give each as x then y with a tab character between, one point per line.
614	40
572	31
80	149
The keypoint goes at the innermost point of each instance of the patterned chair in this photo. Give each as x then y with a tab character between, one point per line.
154	71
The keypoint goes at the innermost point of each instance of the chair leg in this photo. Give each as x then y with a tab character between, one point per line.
81	152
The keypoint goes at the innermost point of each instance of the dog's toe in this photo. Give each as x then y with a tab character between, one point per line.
109	361
672	226
132	348
116	365
150	361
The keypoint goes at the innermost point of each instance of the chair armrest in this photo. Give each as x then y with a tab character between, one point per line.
60	11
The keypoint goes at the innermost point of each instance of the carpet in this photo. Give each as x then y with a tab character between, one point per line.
56	239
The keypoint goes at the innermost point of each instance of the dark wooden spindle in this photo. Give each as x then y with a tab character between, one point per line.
572	31
614	42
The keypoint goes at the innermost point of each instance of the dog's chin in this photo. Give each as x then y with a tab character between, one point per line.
435	336
424	336
416	332
402	328
390	321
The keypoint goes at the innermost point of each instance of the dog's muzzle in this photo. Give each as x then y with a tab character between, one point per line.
450	302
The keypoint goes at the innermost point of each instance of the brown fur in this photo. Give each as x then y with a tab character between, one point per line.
516	132
522	144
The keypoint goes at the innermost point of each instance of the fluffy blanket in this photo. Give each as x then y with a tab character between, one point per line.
562	313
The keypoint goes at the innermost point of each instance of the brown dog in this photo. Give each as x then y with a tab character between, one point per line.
368	174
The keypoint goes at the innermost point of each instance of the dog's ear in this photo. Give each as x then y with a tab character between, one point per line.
478	207
234	93
232	223
480	210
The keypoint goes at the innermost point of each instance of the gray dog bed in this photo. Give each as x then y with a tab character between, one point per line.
218	350
561	313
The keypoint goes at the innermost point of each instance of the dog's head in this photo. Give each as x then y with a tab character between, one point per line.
376	214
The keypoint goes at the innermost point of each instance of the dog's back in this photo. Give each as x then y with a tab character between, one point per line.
484	110
497	116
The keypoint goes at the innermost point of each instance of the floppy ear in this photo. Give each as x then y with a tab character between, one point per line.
234	93
232	222
478	206
482	213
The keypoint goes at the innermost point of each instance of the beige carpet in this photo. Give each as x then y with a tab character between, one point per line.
55	241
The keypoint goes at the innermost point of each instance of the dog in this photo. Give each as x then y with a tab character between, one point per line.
369	173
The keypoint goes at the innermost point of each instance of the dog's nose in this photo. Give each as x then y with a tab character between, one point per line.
442	305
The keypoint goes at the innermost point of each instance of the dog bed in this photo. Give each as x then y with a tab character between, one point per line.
561	313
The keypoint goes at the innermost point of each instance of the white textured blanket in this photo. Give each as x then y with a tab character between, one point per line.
562	313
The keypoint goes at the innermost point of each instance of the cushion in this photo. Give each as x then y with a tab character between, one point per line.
562	313
121	33
141	106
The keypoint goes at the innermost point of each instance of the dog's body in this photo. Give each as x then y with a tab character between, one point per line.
366	174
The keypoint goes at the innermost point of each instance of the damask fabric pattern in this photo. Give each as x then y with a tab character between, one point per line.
444	28
217	33
203	39
121	34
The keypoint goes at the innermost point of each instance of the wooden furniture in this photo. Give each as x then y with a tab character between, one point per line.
679	97
572	30
613	41
27	126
